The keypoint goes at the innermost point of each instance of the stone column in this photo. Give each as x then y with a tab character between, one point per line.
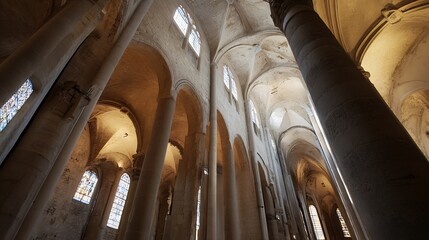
270	213
184	211
134	177
384	172
232	213
19	66
103	203
255	171
212	179
140	222
42	58
28	165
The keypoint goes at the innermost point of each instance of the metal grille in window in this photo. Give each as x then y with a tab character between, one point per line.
86	187
11	107
317	226
181	19
195	41
343	224
119	202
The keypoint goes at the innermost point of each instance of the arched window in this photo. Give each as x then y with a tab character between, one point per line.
195	40
86	187
181	19
317	226
343	224
185	22
228	80
255	119
11	107
119	202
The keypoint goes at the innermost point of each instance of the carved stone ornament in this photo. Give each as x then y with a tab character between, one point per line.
279	9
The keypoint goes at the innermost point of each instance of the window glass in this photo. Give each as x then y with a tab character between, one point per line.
254	115
234	90
181	19
343	224
86	187
119	202
226	76
195	41
317	226
11	107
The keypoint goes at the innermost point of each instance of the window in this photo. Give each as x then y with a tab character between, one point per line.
86	187
228	80
317	226
181	19
11	107
254	117
119	202
343	224
195	40
198	223
185	22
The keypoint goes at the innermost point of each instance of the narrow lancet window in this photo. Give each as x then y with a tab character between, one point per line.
195	40
86	187
11	107
317	226
254	117
119	202
346	232
181	19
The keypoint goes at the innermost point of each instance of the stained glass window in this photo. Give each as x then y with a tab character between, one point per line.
343	224
86	187
195	40
11	107
317	226
181	19
119	202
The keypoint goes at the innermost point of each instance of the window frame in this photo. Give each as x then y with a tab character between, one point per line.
15	103
316	223
192	36
91	185
119	201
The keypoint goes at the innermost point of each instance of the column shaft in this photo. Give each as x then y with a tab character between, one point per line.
382	168
32	54
30	162
139	225
212	181
232	222
255	171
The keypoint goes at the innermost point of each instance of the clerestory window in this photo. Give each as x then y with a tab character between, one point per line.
86	187
255	119
344	228
119	202
317	226
187	27
11	107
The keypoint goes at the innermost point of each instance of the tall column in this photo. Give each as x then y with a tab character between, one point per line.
42	58
232	222
139	225
255	171
212	181
271	214
27	166
184	211
19	66
103	204
134	177
384	172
